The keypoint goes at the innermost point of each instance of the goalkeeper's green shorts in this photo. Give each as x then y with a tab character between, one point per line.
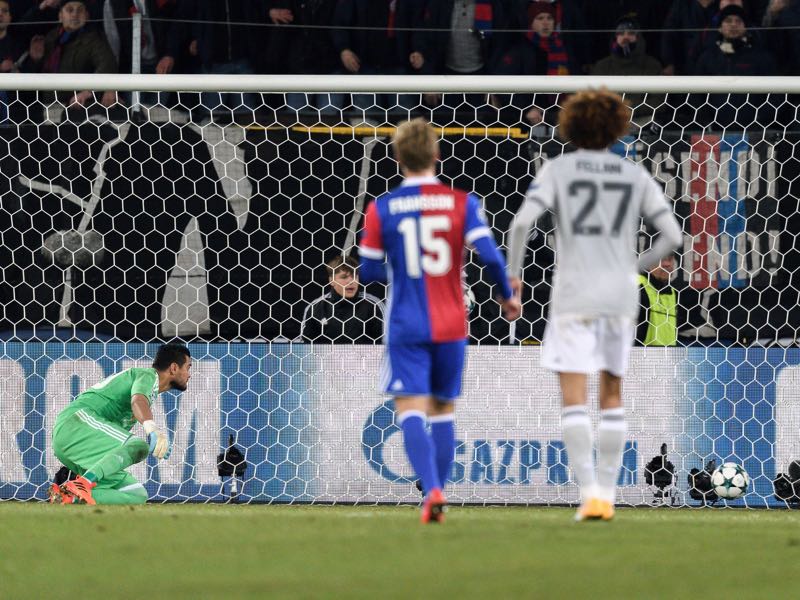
81	438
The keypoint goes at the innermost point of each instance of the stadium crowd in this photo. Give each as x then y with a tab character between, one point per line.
510	37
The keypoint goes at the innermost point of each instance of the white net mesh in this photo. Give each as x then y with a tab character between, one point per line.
210	218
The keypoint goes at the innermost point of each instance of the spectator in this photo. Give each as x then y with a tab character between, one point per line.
470	48
540	52
709	36
227	47
10	44
680	43
658	307
44	12
306	51
784	41
10	52
368	43
157	31
162	35
346	314
602	18
736	54
568	18
72	48
628	57
179	53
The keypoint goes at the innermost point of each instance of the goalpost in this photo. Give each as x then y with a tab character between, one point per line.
208	218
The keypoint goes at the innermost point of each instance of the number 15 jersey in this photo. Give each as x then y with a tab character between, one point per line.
598	200
421	228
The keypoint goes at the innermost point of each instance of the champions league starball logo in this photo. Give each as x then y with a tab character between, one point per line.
379	427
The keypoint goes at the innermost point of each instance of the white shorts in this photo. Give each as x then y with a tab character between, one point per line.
575	344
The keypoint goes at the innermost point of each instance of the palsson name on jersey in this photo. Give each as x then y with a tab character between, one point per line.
597	198
422	230
111	398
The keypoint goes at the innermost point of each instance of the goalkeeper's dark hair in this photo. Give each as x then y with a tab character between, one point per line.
170	353
594	119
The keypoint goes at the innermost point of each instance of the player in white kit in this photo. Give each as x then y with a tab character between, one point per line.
597	199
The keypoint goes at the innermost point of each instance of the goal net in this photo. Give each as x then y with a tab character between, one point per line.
208	217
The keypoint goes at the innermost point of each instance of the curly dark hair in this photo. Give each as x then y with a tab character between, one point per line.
594	119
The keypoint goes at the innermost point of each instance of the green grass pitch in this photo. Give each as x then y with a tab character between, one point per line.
202	551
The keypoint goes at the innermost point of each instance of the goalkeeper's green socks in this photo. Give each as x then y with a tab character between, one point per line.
108	496
131	452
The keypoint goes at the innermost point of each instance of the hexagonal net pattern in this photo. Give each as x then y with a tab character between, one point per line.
209	218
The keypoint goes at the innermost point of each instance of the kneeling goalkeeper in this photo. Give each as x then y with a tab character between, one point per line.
92	436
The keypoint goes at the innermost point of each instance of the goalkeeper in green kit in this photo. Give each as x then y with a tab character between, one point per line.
92	436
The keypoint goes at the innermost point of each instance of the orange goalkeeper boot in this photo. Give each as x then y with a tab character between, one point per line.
81	489
54	495
433	507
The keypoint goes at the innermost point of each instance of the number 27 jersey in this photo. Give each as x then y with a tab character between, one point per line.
598	200
422	230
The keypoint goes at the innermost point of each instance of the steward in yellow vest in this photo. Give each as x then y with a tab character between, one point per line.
658	314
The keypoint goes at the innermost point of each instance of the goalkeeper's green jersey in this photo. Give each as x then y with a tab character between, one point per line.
111	398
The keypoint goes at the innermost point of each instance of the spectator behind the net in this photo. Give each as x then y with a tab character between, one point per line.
680	42
538	52
72	48
569	18
708	37
160	35
470	46
735	53
368	42
10	52
302	50
784	40
11	46
228	36
628	57
346	314
41	14
602	17
180	49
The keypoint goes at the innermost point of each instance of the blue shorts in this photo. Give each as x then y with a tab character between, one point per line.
432	369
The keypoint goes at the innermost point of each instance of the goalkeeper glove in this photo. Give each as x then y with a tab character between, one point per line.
158	440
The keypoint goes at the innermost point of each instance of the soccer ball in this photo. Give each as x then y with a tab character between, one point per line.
729	481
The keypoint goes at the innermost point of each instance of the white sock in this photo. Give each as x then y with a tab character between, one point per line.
576	430
610	444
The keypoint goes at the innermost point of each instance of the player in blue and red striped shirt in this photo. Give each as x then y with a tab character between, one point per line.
415	238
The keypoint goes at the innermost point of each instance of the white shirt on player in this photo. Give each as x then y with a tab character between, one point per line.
597	198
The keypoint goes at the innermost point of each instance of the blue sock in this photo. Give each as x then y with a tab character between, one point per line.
443	432
419	448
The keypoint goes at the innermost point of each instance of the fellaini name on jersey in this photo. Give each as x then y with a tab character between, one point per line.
590	167
421	202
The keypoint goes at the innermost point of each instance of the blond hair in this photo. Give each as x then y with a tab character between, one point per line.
415	145
594	119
